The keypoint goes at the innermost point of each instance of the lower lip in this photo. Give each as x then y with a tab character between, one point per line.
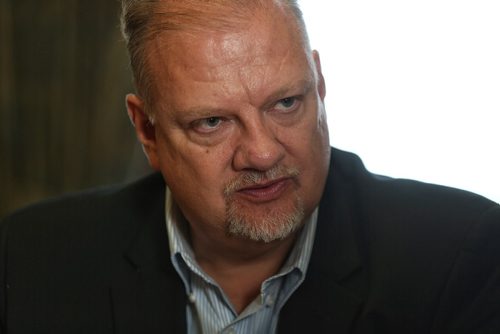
267	193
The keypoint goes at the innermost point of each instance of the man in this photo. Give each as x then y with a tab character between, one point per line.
255	225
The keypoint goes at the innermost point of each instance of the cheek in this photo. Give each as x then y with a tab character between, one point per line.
196	180
311	149
307	141
190	167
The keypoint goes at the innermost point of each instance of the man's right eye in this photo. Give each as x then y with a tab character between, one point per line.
207	125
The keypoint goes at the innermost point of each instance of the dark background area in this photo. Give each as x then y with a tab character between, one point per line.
63	78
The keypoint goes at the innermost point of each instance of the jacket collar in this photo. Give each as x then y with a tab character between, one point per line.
332	294
150	297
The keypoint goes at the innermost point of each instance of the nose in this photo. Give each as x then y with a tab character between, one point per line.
258	147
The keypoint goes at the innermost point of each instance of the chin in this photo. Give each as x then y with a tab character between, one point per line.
273	223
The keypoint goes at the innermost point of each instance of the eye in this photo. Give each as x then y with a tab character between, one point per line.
287	104
212	122
208	124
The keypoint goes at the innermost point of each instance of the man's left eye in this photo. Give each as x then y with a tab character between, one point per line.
286	104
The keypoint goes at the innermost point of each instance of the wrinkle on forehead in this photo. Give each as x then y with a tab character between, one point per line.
256	47
247	59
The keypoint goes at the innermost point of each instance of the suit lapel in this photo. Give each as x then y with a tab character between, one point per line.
149	297
332	294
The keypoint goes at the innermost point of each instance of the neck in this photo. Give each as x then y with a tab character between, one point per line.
240	266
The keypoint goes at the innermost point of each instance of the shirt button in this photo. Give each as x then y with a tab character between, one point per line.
269	300
192	298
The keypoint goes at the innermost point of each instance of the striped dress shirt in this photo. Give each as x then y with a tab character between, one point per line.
209	311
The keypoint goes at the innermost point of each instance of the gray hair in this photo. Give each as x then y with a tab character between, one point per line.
143	20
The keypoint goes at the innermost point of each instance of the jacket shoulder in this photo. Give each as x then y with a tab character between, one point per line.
102	220
91	204
430	250
405	196
62	256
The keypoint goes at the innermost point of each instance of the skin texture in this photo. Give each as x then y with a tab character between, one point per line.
239	129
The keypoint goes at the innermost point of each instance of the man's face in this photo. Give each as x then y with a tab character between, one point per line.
240	133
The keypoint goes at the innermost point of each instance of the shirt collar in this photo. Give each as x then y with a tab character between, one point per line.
178	236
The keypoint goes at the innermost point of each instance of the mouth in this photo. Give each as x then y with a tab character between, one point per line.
265	191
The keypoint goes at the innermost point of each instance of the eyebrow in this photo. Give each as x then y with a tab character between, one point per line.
201	112
300	87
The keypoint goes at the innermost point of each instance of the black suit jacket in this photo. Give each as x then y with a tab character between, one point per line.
390	256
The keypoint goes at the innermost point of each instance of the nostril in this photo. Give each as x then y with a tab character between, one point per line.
258	156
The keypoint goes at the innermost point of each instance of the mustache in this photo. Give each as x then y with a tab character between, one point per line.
252	178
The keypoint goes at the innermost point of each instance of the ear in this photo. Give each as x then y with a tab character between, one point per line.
144	129
321	79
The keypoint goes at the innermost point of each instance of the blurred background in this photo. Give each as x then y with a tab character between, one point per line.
413	88
63	79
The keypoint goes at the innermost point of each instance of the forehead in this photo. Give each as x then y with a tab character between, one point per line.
258	53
